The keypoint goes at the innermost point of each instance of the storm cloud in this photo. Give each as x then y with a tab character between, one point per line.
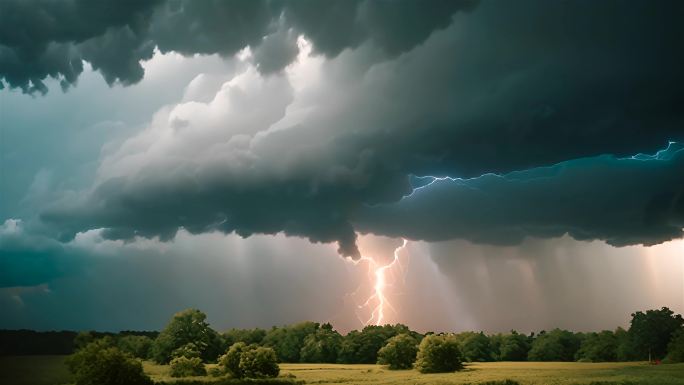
43	38
504	87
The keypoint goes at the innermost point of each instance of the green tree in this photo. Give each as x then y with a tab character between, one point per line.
652	331
556	345
599	347
189	350
100	363
626	349
513	347
475	347
362	347
259	362
182	366
230	362
438	354
675	349
399	352
321	346
287	341
137	346
248	336
188	326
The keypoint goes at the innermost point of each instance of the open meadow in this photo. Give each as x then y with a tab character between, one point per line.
50	370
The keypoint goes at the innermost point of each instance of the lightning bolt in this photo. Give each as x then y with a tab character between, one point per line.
377	274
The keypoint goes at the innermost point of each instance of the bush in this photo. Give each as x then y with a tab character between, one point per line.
438	354
187	367
399	352
230	362
100	363
259	362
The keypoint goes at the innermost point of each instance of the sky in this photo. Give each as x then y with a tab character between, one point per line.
264	161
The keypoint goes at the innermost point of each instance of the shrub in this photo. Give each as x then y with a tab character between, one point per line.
259	362
399	352
230	362
100	363
187	367
438	354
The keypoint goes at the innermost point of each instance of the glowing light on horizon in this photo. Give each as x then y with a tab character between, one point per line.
377	274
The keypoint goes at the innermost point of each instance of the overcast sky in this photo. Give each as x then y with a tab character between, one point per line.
246	157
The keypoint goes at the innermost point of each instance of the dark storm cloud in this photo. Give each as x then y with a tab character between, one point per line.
508	86
44	38
622	201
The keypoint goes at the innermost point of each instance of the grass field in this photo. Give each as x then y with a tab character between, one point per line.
50	370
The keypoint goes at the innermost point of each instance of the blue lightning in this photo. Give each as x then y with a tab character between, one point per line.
421	182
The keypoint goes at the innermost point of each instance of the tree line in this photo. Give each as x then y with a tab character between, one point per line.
187	343
653	334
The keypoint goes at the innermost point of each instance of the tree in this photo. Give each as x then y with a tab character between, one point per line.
230	362
556	345
248	336
599	347
188	326
185	367
438	354
362	347
259	362
287	341
100	363
652	331
675	349
137	346
475	347
626	349
399	352
511	347
321	346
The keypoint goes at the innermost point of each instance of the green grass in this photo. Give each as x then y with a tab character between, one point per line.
526	373
50	370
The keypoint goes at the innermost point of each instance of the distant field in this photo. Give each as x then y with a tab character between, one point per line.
33	370
50	370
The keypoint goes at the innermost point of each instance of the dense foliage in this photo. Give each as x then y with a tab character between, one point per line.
556	345
510	347
230	361
248	336
249	361
321	346
399	352
101	363
186	367
187	327
675	349
599	347
439	354
259	362
287	341
651	331
475	347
